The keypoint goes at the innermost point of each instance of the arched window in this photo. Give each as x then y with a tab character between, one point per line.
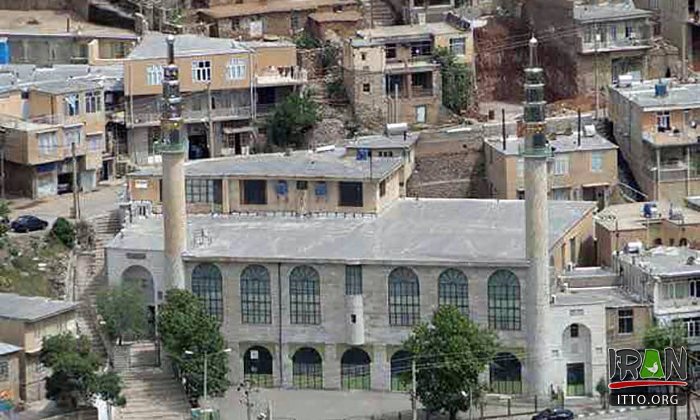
207	284
400	369
255	295
505	374
683	242
354	369
307	369
658	242
404	297
573	330
453	290
257	366
504	301
304	295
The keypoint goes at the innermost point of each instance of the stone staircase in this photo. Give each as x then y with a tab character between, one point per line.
150	393
380	12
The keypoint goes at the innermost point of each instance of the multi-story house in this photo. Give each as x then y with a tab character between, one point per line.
252	19
226	85
25	322
583	167
390	74
50	126
593	43
655	124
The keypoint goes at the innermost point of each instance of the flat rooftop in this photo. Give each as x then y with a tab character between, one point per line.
344	16
381	34
564	143
611	11
298	165
31	308
679	96
609	296
629	216
61	78
383	142
410	231
666	261
54	22
154	45
274	6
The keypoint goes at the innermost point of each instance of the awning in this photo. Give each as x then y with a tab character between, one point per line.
234	130
599	184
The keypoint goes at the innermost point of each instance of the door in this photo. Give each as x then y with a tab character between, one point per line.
575	379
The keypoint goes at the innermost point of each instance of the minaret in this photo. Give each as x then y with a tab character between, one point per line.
172	149
535	154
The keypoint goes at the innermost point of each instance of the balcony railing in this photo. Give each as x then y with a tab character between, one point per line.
147	118
421	91
274	76
618	44
688	135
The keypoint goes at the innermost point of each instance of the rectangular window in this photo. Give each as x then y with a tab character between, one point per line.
625	321
421	114
48	143
596	162
588	35
321	190
694	288
663	121
203	191
390	51
458	46
366	88
680	290
353	279
693	326
302	185
4	370
294	21
613	32
382	188
629	30
95	142
235	70
154	75
572	251
350	194
93	102
561	165
72	102
421	49
520	167
201	71
560	194
72	136
255	191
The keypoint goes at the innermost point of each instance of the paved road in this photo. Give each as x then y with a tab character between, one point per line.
93	203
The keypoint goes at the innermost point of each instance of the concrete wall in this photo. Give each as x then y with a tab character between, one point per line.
11	385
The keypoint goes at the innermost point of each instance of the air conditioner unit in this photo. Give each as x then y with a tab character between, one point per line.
421	18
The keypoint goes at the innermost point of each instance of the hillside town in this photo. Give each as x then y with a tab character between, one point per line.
349	209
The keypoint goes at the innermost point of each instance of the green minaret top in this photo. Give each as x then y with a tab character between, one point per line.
534	108
171	120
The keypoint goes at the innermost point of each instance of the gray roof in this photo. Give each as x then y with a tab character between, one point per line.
563	144
610	296
68	85
31	308
381	34
383	142
610	11
153	45
666	261
61	78
679	96
415	231
6	348
277	165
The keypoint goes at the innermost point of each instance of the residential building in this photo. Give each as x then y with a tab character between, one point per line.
390	74
25	322
226	86
583	167
48	37
655	125
9	372
254	20
48	126
334	26
596	42
667	277
674	224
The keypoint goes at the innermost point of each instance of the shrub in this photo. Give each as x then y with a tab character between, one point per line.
64	231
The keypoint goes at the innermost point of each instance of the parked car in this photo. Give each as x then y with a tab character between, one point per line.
554	414
28	223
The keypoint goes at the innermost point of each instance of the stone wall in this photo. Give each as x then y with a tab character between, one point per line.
34	4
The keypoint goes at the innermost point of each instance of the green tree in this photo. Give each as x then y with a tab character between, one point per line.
4	216
64	231
450	354
291	120
123	310
457	83
186	326
660	336
75	379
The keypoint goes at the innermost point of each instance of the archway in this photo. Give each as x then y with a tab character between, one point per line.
400	366
307	369
139	278
505	374
576	352
355	369
257	366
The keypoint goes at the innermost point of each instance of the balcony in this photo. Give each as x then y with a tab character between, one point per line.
281	76
614	45
673	137
190	116
674	171
419	91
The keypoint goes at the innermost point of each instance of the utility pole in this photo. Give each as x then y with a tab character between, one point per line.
396	103
3	133
211	123
414	396
684	51
595	76
76	193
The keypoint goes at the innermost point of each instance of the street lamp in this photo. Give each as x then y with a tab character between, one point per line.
206	357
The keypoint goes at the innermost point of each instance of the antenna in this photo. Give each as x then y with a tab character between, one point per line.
579	128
